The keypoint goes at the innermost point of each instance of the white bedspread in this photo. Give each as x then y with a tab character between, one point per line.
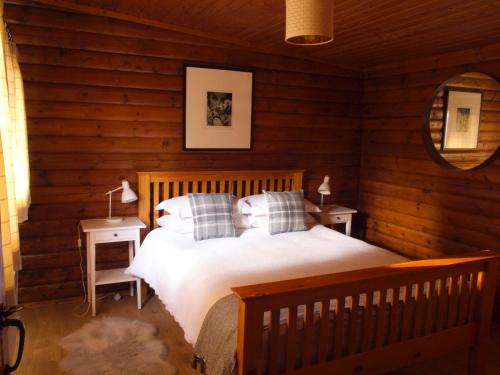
189	277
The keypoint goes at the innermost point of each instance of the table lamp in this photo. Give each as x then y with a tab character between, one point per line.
128	196
324	188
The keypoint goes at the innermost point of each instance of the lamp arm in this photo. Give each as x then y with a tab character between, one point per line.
112	191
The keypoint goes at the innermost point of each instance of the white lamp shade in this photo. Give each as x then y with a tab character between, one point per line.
324	188
128	194
309	22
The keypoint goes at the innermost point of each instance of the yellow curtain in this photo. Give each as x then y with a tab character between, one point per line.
14	164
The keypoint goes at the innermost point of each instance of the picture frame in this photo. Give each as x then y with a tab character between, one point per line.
218	108
462	118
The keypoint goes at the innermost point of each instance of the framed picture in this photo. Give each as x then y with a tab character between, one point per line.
218	106
462	117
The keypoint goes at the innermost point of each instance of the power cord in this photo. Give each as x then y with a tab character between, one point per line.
85	299
82	272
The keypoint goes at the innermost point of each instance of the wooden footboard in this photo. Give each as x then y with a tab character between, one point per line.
400	314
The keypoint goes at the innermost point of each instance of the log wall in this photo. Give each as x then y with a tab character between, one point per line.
104	100
412	204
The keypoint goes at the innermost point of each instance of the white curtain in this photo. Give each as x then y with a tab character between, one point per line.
14	162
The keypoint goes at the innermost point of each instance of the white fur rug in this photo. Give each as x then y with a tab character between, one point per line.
111	345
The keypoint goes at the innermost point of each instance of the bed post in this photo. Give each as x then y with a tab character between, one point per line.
484	312
145	199
144	189
249	341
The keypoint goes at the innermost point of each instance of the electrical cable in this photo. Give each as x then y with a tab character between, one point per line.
85	296
85	299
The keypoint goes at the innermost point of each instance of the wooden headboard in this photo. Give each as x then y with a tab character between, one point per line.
155	187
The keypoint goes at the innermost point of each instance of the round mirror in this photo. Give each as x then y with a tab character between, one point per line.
462	122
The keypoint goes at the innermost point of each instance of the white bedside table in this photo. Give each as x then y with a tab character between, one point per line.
100	231
334	214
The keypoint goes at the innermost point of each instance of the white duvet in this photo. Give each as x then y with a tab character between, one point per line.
189	276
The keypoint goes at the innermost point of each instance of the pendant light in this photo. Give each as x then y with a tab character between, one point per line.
309	22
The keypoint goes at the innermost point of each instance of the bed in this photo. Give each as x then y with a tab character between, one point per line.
444	304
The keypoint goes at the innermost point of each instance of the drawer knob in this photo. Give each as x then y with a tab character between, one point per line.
338	218
115	234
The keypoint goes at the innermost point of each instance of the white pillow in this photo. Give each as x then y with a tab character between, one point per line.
257	205
179	206
186	225
262	221
176	224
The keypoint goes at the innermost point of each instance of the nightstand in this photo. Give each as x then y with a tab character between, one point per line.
100	231
333	214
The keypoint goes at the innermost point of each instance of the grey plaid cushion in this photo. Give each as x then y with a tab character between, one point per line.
212	215
286	211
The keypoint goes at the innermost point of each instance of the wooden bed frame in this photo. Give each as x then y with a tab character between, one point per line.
450	309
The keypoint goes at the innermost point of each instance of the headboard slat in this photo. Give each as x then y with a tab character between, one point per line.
240	183
156	200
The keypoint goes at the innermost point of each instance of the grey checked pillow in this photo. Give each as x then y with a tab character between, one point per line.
286	211
212	215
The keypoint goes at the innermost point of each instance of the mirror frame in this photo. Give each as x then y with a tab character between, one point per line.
426	130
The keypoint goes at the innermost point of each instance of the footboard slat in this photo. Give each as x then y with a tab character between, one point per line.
453	301
464	298
431	312
354	333
418	327
291	338
407	313
381	319
323	330
435	306
473	294
339	328
367	323
274	342
308	334
394	324
442	304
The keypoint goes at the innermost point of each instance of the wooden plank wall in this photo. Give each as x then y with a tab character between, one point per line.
104	100
412	204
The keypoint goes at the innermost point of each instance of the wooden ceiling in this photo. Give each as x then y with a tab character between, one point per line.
367	32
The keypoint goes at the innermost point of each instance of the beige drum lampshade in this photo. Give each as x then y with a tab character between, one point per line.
309	22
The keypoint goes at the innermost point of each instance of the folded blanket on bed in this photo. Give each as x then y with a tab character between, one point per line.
215	349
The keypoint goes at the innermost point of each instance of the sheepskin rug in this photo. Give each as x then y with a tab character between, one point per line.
111	345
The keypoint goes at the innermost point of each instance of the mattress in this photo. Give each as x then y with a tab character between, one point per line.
189	276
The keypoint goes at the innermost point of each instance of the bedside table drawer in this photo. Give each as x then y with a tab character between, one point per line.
115	235
334	219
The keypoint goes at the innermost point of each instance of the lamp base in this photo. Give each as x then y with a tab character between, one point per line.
114	219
